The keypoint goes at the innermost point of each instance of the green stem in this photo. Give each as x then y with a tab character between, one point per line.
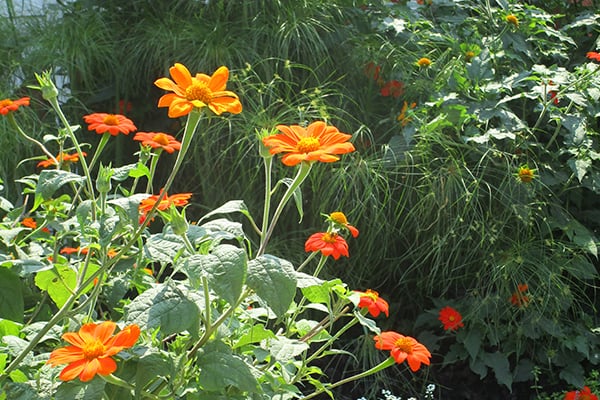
298	179
113	380
268	163
13	122
153	164
101	145
305	263
380	367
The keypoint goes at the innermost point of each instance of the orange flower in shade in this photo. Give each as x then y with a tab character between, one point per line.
328	243
158	140
450	318
518	298
29	223
424	62
92	349
513	20
339	218
372	71
8	105
317	142
583	394
65	158
178	200
403	348
197	91
402	118
111	123
592	55
526	174
392	88
375	304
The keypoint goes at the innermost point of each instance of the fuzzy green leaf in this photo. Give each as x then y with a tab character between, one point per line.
220	369
77	390
51	180
163	306
224	268
501	367
11	296
274	280
60	282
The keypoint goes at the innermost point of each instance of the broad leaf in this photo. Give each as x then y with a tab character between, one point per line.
220	369
11	296
274	280
77	390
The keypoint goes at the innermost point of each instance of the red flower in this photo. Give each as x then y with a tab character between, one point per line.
392	88
328	243
403	348
92	349
158	140
518	298
450	318
8	105
375	304
583	394
592	55
112	123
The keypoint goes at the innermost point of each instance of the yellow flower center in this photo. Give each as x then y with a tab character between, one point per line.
525	174
111	119
373	295
339	218
329	237
308	144
511	19
161	139
424	62
451	318
404	344
5	102
198	91
93	350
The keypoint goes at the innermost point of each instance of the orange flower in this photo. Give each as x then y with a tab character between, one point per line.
403	348
513	20
197	91
29	223
112	123
178	200
375	304
158	140
8	105
392	88
92	349
583	394
328	243
518	298
69	250
526	174
63	157
317	142
402	118
451	318
372	71
339	218
424	62
592	55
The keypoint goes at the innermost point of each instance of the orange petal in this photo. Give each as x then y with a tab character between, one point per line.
181	75
72	370
218	81
65	355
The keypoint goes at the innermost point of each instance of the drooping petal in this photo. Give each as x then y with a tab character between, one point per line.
73	370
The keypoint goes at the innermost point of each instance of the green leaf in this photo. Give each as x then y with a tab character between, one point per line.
149	366
77	390
224	229
60	282
573	374
284	349
230	207
225	270
163	306
220	369
274	280
11	296
501	367
256	334
130	205
297	197
51	180
580	167
471	339
163	247
139	170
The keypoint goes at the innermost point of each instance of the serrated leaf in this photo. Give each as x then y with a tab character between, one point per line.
274	280
501	367
224	268
163	306
220	369
11	296
51	180
77	390
573	374
284	349
255	335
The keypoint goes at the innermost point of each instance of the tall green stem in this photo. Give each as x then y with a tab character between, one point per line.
298	179
380	367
